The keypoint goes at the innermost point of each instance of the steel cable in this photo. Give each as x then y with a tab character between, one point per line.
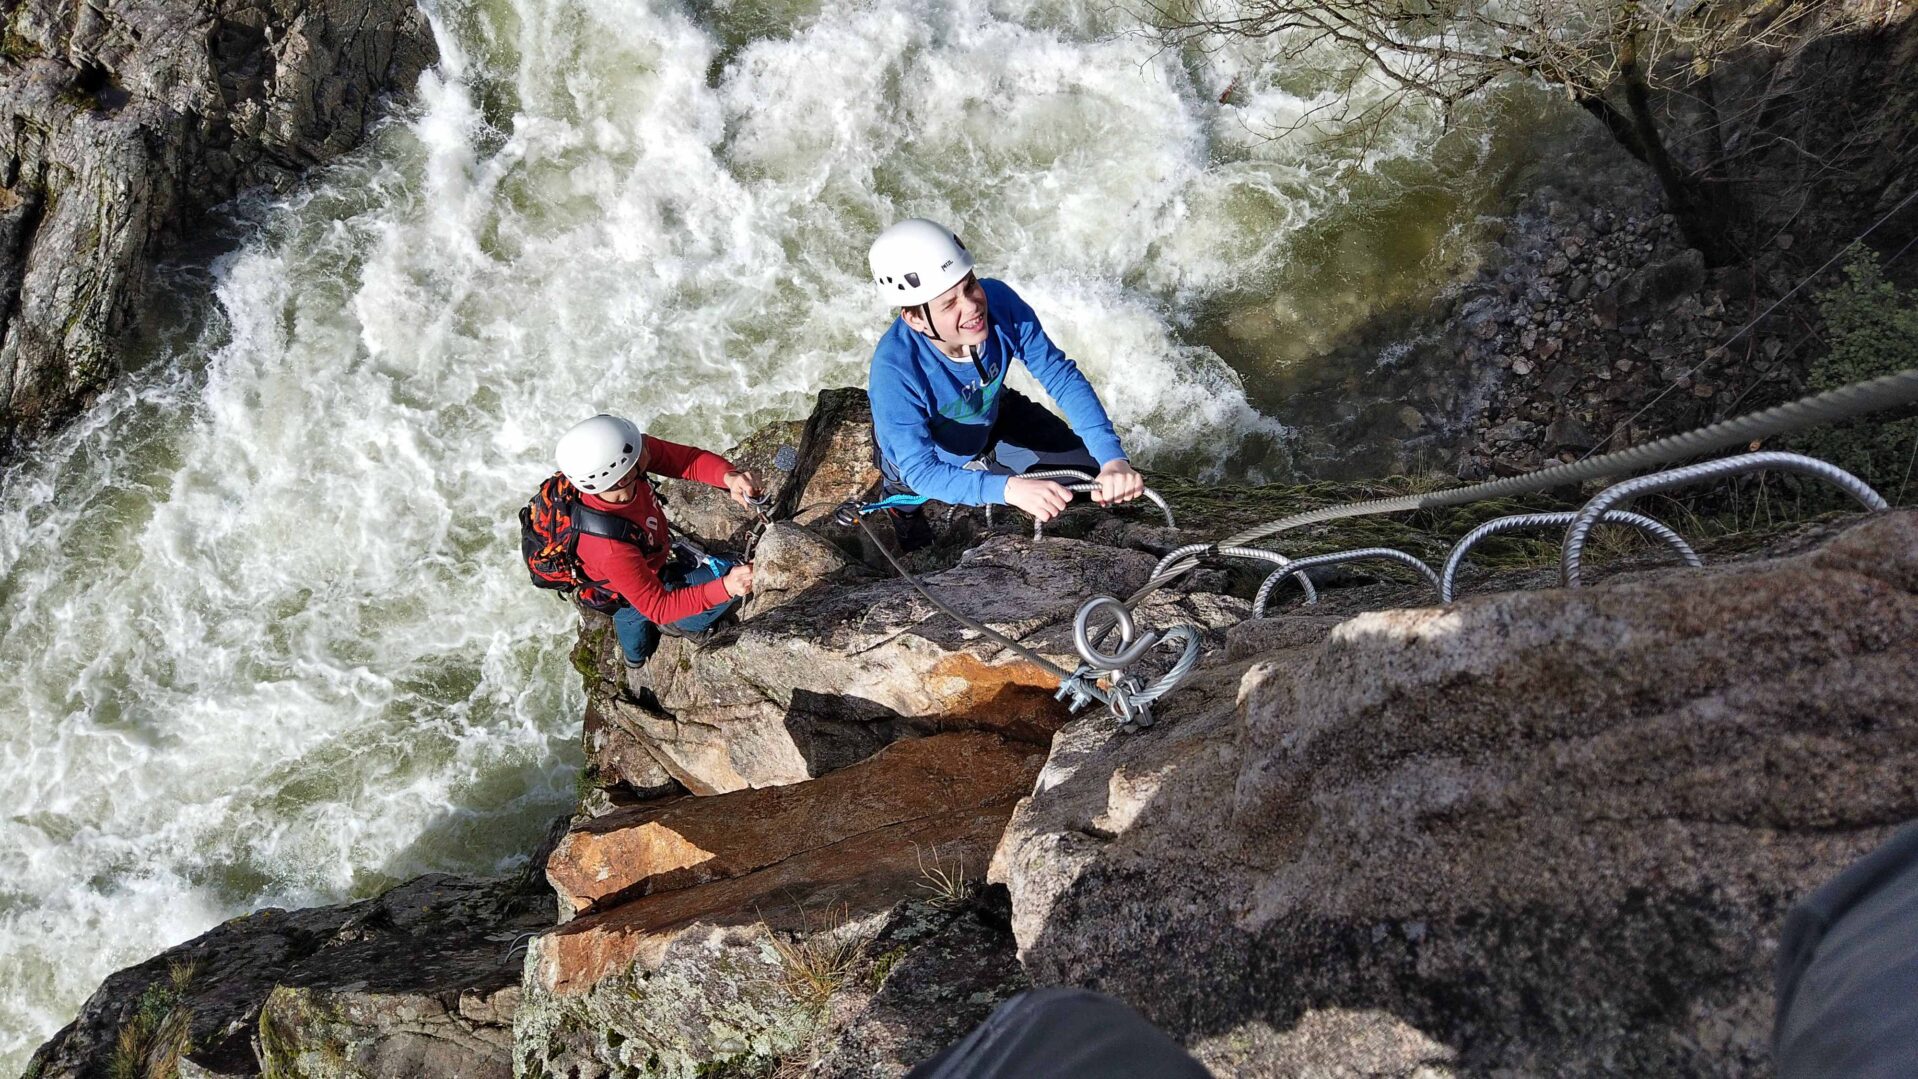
1087	485
1845	402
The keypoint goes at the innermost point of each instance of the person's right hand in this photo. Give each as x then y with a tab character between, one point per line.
739	580
1043	499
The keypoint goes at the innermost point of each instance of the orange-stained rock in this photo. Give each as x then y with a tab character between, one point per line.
689	841
852	878
828	679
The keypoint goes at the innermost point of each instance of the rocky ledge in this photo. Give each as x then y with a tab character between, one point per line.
122	123
1533	830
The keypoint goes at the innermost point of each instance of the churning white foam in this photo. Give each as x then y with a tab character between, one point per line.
265	637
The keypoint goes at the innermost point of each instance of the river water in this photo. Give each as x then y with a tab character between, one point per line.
266	641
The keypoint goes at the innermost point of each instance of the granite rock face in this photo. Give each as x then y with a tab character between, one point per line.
1530	832
834	657
121	123
789	561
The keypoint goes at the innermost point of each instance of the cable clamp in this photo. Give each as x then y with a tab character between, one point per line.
1074	690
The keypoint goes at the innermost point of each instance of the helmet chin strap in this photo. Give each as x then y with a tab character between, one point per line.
932	329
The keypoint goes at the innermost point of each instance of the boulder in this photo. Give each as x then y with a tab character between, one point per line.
422	980
837	458
788	561
1658	286
121	124
1549	831
833	452
356	1032
857	839
725	926
678	843
810	687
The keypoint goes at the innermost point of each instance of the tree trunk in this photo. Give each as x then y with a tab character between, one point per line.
1705	217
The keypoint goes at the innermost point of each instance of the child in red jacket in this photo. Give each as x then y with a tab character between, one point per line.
606	458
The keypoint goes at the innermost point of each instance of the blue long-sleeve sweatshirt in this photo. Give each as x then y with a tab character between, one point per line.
932	414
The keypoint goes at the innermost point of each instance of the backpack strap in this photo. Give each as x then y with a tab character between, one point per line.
594	522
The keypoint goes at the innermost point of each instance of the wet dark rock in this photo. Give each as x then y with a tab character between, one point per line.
122	124
1566	432
420	981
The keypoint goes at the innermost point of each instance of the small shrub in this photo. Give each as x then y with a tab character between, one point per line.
1871	326
882	968
157	1035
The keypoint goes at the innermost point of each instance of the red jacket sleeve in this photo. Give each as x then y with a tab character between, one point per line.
625	571
665	458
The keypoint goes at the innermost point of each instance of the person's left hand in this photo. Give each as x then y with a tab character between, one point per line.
1118	483
743	485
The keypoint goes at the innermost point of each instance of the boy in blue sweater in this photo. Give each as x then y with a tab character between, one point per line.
945	424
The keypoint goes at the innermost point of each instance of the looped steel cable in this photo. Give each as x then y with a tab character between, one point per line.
1187	638
1520	521
1588	516
1299	566
1130	650
1129	699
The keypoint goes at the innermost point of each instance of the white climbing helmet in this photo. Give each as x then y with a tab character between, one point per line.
916	260
597	453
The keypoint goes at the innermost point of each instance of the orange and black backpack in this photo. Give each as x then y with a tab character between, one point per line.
549	530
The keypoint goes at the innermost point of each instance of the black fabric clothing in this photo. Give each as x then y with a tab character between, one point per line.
1026	438
1848	972
1063	1034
